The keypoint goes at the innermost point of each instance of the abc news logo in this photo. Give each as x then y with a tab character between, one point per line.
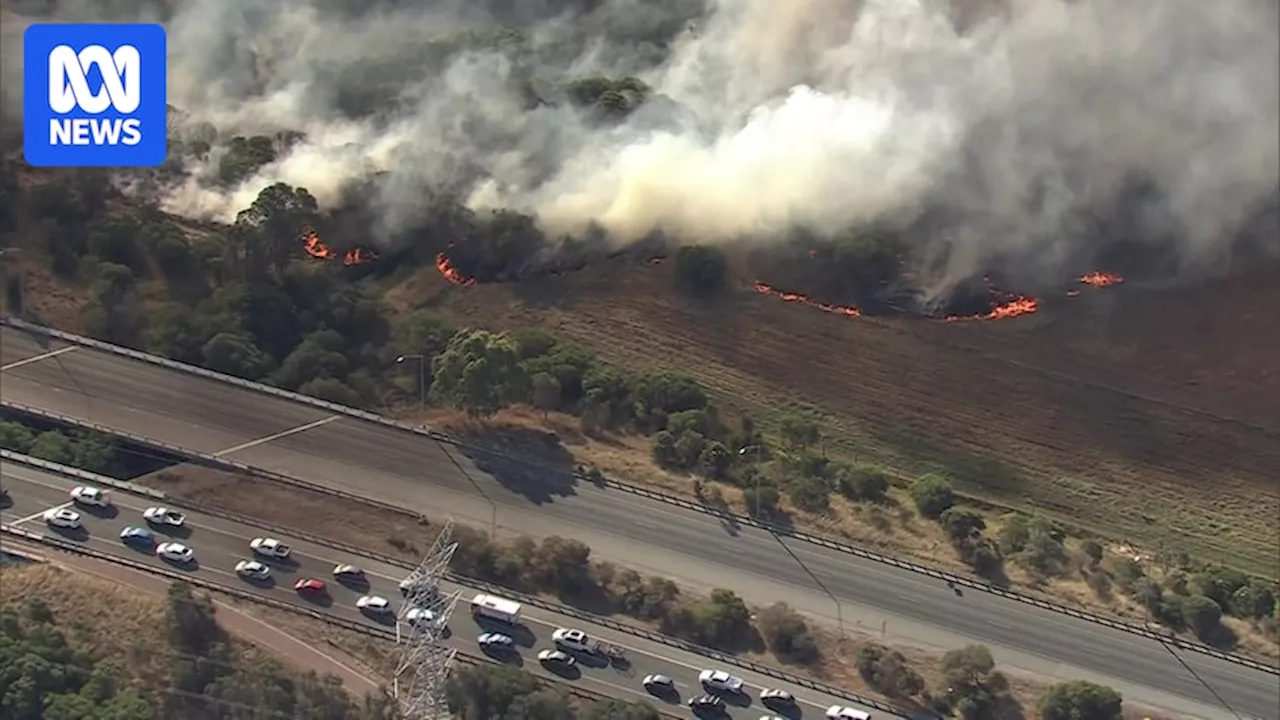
94	95
69	90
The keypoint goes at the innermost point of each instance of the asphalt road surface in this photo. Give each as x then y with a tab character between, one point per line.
693	548
219	545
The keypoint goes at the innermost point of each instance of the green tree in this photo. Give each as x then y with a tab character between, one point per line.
787	634
809	494
332	390
270	228
888	671
16	437
664	450
172	332
862	482
961	524
799	432
932	496
1080	700
546	393
54	447
244	157
700	270
422	333
1253	600
762	502
318	357
479	372
715	460
235	354
620	710
1202	615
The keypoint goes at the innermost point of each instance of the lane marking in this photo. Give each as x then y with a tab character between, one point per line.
36	515
277	436
38	358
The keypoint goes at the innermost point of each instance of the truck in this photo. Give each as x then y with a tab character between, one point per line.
496	608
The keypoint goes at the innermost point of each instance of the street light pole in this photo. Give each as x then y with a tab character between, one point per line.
422	376
755	510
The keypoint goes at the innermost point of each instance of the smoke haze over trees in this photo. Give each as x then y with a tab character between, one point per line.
1022	132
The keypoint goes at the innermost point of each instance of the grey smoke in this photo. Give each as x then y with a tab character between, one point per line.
1012	120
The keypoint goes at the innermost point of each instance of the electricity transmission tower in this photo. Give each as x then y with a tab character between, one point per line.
420	628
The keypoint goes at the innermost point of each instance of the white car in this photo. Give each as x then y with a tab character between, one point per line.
720	680
777	697
576	640
419	617
659	684
164	516
86	495
374	604
270	547
253	570
349	573
63	518
839	712
555	657
175	552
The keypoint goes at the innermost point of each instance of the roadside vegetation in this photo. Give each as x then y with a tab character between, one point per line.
72	648
273	298
481	692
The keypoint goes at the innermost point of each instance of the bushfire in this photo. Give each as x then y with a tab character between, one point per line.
847	311
1022	305
451	273
316	248
1101	279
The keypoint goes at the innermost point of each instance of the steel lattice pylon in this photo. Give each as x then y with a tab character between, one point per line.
420	627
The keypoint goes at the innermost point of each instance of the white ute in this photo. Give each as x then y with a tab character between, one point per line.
838	712
86	495
63	518
575	640
720	680
270	547
164	516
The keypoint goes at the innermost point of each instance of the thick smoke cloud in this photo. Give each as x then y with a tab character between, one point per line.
1000	127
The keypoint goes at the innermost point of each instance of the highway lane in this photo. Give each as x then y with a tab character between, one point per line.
690	547
219	544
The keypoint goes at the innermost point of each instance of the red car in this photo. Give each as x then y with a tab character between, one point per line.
310	586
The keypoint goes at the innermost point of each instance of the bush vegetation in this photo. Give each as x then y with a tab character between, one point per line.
84	449
482	692
48	674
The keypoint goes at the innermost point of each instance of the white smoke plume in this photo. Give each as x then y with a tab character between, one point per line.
1005	117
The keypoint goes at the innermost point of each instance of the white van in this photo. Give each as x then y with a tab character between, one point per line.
496	608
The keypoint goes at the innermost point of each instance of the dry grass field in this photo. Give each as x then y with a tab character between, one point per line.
1141	415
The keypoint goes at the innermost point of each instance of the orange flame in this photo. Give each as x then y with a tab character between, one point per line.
358	256
1018	306
314	246
845	310
1101	279
451	273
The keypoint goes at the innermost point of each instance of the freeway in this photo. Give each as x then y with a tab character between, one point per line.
219	544
695	549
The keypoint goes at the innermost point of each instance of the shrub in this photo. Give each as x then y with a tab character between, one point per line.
809	494
862	482
887	671
961	524
1092	550
1253	601
1080	700
1202	615
787	634
932	495
762	502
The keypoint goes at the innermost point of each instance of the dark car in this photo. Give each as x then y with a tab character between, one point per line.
707	704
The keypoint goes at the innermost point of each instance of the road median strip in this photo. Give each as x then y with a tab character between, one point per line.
839	546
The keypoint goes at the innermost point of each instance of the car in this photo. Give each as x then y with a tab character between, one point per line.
348	573
164	516
421	617
270	547
496	641
773	698
253	570
138	536
842	712
706	703
771	717
310	586
573	640
720	680
63	518
93	496
374	604
659	684
175	552
555	657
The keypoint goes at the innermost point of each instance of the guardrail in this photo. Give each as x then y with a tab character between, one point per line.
488	587
368	630
829	543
